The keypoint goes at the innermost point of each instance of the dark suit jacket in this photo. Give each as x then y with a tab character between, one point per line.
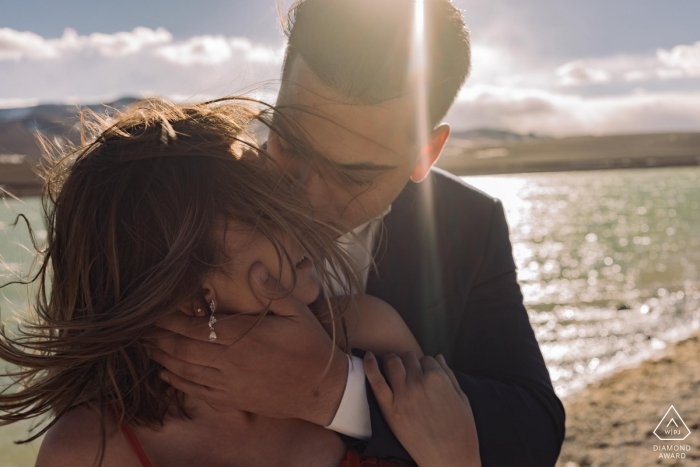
445	263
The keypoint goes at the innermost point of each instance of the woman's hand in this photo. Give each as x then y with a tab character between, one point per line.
426	409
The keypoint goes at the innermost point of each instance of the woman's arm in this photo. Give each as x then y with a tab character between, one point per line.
373	325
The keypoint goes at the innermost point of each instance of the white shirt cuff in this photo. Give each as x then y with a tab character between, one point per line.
352	418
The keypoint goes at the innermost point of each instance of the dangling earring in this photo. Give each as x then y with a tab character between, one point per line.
212	321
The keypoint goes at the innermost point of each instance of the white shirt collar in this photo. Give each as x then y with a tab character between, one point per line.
359	244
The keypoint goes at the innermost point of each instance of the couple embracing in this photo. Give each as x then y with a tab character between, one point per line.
322	298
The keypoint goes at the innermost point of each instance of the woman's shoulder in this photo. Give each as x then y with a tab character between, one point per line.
75	440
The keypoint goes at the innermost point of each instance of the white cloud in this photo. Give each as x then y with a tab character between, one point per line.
213	50
506	90
578	73
141	62
682	61
552	113
122	44
637	75
17	45
669	73
685	58
197	50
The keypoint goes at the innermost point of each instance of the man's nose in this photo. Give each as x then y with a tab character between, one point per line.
317	189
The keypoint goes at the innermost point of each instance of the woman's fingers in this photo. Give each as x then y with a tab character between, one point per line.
382	391
450	374
429	364
414	371
395	372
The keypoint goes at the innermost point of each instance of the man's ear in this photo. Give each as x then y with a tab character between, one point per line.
431	152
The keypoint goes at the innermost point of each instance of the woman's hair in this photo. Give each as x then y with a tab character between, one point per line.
130	218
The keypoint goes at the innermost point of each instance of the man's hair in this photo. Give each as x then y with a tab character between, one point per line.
362	48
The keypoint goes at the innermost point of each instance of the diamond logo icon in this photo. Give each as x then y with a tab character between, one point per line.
672	427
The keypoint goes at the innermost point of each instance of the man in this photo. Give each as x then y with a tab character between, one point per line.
370	98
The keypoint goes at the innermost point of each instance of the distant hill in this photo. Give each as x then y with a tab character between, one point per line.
493	135
18	127
488	156
19	151
468	152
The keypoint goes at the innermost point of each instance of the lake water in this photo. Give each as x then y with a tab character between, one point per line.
608	263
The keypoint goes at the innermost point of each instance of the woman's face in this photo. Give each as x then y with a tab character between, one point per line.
244	247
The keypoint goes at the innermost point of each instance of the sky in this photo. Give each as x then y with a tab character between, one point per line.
554	67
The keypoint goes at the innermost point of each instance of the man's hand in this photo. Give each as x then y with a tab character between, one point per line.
283	365
426	409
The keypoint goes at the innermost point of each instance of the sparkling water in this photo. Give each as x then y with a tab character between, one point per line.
608	263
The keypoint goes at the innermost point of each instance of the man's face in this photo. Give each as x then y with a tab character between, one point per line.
373	143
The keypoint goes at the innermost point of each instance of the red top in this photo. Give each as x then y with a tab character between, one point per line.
351	459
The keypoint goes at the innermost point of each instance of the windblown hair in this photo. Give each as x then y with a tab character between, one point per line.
130	218
362	48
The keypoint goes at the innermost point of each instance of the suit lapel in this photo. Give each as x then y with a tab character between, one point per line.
409	273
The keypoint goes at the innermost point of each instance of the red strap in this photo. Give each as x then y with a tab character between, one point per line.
132	439
353	459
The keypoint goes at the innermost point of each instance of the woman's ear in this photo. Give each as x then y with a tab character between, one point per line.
192	308
206	295
199	306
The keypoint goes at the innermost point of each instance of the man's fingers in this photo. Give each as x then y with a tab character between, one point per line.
229	328
181	323
380	388
187	349
205	376
450	374
188	387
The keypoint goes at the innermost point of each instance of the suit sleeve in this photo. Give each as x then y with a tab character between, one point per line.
499	365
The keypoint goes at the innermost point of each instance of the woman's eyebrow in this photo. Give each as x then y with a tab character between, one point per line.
367	166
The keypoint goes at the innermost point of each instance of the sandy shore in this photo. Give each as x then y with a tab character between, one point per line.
612	423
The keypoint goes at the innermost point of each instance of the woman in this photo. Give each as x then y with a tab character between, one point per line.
173	208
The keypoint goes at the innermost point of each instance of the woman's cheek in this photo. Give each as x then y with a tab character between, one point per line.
307	289
285	279
236	296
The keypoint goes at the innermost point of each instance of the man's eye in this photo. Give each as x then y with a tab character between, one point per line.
290	152
357	179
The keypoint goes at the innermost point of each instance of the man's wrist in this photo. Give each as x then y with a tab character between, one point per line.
333	389
353	416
